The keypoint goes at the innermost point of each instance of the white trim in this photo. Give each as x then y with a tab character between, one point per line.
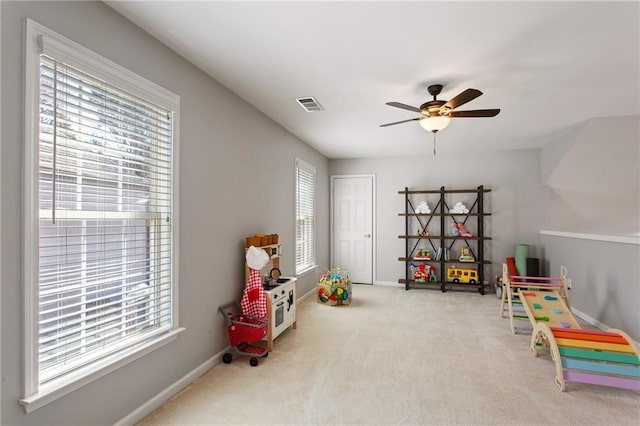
1	375
97	370
310	168
596	237
175	217
594	322
389	284
148	407
308	294
38	40
305	271
78	56
30	208
586	318
374	230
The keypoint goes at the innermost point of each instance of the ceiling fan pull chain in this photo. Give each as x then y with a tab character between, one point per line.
434	144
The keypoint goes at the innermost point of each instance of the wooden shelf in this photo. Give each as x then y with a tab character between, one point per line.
441	210
447	285
440	237
475	262
442	190
444	214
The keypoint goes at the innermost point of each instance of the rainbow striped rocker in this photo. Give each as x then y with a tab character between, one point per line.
606	358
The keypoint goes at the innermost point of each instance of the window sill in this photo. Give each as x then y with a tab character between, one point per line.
49	393
306	270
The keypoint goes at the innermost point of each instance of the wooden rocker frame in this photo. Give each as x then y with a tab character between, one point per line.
605	358
513	284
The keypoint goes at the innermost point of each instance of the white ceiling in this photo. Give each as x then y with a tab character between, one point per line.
547	65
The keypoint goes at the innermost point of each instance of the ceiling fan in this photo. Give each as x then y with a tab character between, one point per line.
436	114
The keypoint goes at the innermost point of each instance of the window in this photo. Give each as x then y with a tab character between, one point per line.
100	244
305	216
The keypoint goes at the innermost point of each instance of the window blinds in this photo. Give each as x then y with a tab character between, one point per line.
105	239
305	216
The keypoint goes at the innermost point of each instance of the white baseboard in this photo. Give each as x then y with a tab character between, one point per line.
148	407
589	320
310	293
154	403
594	322
389	283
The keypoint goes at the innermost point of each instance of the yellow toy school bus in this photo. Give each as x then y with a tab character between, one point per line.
462	275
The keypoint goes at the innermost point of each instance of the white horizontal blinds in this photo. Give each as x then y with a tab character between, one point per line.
305	216
105	178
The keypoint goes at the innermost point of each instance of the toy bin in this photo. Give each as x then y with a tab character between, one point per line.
334	288
333	295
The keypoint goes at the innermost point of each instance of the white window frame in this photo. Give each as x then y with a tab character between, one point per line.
41	39
303	165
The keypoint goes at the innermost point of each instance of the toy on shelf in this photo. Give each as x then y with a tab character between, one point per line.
439	254
334	287
422	273
422	254
459	208
465	255
462	230
462	275
423	232
453	230
423	208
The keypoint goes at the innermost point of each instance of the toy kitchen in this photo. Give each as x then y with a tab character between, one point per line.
280	290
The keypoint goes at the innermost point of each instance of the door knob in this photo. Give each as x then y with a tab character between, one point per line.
367	235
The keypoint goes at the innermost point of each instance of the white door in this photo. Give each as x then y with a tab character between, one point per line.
352	226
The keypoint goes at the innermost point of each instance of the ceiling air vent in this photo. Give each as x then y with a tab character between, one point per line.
310	104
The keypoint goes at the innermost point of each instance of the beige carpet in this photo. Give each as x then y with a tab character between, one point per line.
397	357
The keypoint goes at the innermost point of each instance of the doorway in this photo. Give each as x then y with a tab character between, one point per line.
352	225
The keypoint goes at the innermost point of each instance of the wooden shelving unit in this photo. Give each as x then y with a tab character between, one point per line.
441	201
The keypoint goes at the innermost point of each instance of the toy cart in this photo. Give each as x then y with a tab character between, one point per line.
244	330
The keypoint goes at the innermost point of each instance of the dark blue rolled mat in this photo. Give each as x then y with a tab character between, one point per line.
533	266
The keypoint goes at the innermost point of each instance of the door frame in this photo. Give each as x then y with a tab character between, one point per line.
374	233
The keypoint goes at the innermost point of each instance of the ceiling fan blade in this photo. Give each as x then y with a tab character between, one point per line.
461	99
399	122
403	106
475	113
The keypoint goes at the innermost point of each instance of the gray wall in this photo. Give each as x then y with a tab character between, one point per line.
517	201
237	178
568	186
593	171
605	279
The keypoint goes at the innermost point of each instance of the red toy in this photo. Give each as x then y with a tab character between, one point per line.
423	273
244	330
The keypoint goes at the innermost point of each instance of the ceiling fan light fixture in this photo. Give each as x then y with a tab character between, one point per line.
434	123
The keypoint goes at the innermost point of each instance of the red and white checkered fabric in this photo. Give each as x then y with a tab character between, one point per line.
254	300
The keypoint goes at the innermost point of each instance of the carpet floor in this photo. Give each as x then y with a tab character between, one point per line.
392	357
